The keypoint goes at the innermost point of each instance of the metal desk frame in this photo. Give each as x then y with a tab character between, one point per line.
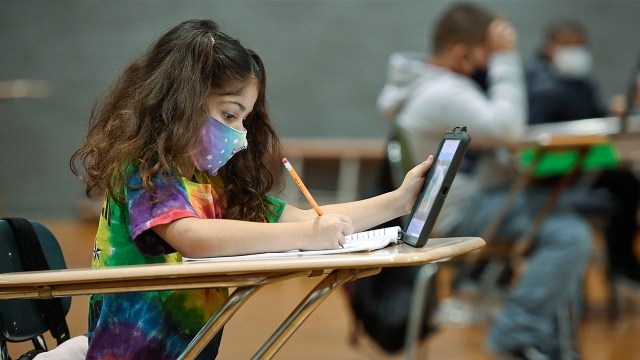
247	276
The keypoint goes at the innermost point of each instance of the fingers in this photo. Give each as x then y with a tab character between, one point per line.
341	241
347	229
501	35
344	218
422	168
337	226
428	162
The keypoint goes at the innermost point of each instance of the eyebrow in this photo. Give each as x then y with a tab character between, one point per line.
242	107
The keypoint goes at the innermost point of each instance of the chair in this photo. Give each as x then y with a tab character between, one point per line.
27	246
493	267
400	162
398	154
498	262
414	286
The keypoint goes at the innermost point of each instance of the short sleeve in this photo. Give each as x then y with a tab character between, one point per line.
170	203
276	208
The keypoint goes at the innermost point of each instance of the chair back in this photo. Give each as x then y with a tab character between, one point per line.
25	319
398	155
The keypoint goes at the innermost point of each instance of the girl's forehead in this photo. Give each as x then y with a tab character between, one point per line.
235	87
242	94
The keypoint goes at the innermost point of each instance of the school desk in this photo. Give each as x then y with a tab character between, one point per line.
564	150
246	276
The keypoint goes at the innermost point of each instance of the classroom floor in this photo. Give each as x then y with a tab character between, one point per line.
326	333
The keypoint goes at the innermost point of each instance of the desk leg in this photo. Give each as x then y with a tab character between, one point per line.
217	321
306	307
419	299
523	244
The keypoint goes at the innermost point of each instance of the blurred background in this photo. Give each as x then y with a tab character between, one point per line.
326	63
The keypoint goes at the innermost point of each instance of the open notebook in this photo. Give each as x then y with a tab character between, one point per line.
361	241
425	210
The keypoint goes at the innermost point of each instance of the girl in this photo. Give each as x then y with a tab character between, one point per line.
183	147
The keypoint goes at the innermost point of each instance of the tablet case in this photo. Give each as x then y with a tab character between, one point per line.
458	133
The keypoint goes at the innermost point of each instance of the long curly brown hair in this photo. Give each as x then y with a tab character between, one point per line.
153	115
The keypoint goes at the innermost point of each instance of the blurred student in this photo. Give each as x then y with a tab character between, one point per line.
559	81
430	94
560	88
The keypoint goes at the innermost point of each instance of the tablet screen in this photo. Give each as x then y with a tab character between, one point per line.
428	197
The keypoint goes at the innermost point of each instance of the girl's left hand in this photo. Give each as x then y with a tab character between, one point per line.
412	183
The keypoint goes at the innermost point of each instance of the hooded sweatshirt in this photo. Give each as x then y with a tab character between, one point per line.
427	101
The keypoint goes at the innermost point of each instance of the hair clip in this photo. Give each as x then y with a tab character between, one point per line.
213	42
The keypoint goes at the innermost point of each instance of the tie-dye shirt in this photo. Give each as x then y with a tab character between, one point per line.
155	324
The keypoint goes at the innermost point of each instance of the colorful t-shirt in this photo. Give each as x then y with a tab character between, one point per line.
155	324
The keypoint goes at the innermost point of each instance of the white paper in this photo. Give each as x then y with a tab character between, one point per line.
363	241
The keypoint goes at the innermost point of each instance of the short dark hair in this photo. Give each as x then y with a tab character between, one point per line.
462	23
554	29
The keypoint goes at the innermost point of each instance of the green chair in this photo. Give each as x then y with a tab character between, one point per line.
398	157
423	297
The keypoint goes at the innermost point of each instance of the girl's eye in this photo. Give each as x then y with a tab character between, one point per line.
228	116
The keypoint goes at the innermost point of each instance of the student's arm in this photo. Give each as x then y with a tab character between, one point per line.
370	212
195	237
297	229
495	118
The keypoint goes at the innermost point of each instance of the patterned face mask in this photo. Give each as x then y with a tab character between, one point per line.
220	143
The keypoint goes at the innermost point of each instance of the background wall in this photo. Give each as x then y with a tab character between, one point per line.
326	63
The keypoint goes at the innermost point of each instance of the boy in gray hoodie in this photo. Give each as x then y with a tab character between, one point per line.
429	95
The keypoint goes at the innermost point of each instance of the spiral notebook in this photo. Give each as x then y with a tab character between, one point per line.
361	241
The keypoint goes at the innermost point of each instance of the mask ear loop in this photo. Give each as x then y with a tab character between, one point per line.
213	41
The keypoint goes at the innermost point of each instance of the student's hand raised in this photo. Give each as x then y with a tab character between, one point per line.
328	232
412	183
501	36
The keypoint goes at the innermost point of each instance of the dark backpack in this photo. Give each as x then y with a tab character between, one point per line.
29	246
381	306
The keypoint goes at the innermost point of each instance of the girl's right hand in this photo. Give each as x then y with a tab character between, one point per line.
328	232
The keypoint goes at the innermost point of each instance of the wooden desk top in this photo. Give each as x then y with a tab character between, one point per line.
225	272
595	126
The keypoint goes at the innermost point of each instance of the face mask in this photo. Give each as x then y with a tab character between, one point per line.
480	77
572	61
220	142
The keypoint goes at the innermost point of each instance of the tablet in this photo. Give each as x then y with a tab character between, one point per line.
426	209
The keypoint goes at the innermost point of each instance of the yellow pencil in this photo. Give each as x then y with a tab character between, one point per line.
303	188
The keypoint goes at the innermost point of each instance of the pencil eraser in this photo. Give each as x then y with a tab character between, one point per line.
286	164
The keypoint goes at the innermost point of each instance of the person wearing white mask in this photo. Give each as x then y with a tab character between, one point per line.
559	80
560	88
427	94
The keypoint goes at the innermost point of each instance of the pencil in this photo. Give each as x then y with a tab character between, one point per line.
303	188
